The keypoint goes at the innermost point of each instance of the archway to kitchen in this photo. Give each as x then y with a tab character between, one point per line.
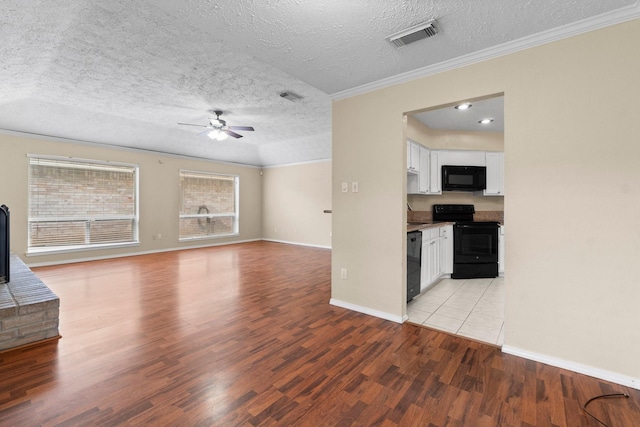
443	135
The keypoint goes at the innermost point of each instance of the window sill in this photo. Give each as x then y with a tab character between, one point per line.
68	249
217	236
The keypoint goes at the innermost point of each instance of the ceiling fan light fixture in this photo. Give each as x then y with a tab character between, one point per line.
217	135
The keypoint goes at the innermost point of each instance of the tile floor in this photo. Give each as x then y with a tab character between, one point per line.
473	308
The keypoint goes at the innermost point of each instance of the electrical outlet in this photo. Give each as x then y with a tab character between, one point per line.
345	187
343	274
159	236
354	187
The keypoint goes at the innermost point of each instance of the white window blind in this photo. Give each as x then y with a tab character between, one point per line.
208	205
80	204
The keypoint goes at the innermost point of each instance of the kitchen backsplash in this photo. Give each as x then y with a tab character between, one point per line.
427	216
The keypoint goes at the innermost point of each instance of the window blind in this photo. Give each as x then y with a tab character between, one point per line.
208	205
75	204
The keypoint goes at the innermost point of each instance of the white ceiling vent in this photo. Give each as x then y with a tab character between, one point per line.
413	34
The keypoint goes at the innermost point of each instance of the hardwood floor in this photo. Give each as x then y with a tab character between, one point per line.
243	335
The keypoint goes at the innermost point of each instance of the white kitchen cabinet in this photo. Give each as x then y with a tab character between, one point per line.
419	178
424	171
495	174
437	255
446	248
413	167
435	177
435	264
425	261
413	157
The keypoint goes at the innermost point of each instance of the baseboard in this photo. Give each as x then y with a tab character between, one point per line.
181	248
367	310
297	243
128	254
575	367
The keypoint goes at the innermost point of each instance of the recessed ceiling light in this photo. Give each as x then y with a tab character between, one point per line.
485	121
464	106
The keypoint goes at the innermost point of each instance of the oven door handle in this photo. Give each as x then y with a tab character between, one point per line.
477	226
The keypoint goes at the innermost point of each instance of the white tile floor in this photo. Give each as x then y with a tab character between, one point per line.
473	308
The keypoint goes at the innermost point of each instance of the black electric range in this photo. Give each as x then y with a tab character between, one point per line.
475	243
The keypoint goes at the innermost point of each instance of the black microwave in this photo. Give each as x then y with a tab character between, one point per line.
464	178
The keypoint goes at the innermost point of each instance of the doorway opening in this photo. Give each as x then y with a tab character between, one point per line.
456	132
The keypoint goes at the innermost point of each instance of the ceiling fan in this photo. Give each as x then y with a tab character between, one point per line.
218	129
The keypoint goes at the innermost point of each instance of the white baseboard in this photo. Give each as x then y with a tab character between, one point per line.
367	310
297	243
128	254
575	367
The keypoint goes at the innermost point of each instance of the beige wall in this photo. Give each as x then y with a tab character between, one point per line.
572	161
453	140
295	197
158	199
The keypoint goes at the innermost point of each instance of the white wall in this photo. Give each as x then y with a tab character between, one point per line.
295	197
572	161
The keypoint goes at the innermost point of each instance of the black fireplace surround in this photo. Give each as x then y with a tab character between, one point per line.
4	244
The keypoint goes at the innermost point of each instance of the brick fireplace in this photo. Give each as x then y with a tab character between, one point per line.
29	310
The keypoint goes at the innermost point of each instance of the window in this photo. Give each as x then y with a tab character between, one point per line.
81	204
208	205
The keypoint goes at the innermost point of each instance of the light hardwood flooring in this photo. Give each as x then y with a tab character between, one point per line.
472	308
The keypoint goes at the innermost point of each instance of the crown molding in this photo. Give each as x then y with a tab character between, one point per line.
614	17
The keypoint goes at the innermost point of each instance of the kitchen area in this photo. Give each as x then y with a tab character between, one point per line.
455	219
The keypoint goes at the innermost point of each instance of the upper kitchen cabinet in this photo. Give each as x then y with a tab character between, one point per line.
413	157
425	178
413	168
495	174
435	178
424	170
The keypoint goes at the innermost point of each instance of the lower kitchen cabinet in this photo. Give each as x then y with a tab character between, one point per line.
437	255
446	245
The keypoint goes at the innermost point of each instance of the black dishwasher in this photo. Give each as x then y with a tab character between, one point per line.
414	253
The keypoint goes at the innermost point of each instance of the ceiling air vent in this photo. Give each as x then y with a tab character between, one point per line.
413	34
290	96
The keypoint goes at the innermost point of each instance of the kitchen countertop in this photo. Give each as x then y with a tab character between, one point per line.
417	226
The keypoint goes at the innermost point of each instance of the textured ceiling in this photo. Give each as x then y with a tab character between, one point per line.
126	72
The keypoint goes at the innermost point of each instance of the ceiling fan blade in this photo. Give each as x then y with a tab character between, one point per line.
191	124
204	133
240	128
233	134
